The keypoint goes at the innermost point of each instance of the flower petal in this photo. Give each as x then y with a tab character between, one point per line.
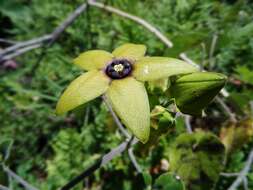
129	99
130	51
152	68
93	59
83	89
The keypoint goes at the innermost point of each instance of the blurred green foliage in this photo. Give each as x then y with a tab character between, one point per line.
198	159
48	150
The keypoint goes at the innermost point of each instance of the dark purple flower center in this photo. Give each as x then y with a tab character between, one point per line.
119	68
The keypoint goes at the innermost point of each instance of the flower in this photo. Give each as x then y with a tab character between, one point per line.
120	76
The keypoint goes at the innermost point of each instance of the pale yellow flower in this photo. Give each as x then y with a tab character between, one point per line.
120	76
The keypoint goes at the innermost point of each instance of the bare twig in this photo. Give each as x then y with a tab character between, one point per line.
116	119
20	52
229	174
7	41
213	45
187	119
3	187
243	173
24	44
245	184
50	38
251	106
118	150
134	18
67	22
226	109
184	57
125	133
212	49
133	160
8	150
203	62
18	178
101	162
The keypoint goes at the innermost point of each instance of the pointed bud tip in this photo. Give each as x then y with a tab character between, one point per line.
203	77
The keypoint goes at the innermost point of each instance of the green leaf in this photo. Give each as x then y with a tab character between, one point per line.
147	178
198	159
167	181
195	91
245	74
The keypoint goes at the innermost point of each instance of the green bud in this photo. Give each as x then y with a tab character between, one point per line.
162	122
195	91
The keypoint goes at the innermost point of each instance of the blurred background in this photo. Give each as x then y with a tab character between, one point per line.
48	150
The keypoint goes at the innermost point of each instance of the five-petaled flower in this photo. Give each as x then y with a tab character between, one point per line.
120	76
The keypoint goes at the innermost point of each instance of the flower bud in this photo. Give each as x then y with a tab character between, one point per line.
195	91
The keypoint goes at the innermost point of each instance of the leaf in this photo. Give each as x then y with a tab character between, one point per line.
147	178
198	159
245	74
167	181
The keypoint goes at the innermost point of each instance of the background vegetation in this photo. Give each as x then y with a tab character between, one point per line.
49	150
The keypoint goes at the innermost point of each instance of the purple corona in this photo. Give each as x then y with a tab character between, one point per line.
119	68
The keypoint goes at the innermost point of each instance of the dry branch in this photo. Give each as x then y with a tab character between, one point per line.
49	39
243	173
18	179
